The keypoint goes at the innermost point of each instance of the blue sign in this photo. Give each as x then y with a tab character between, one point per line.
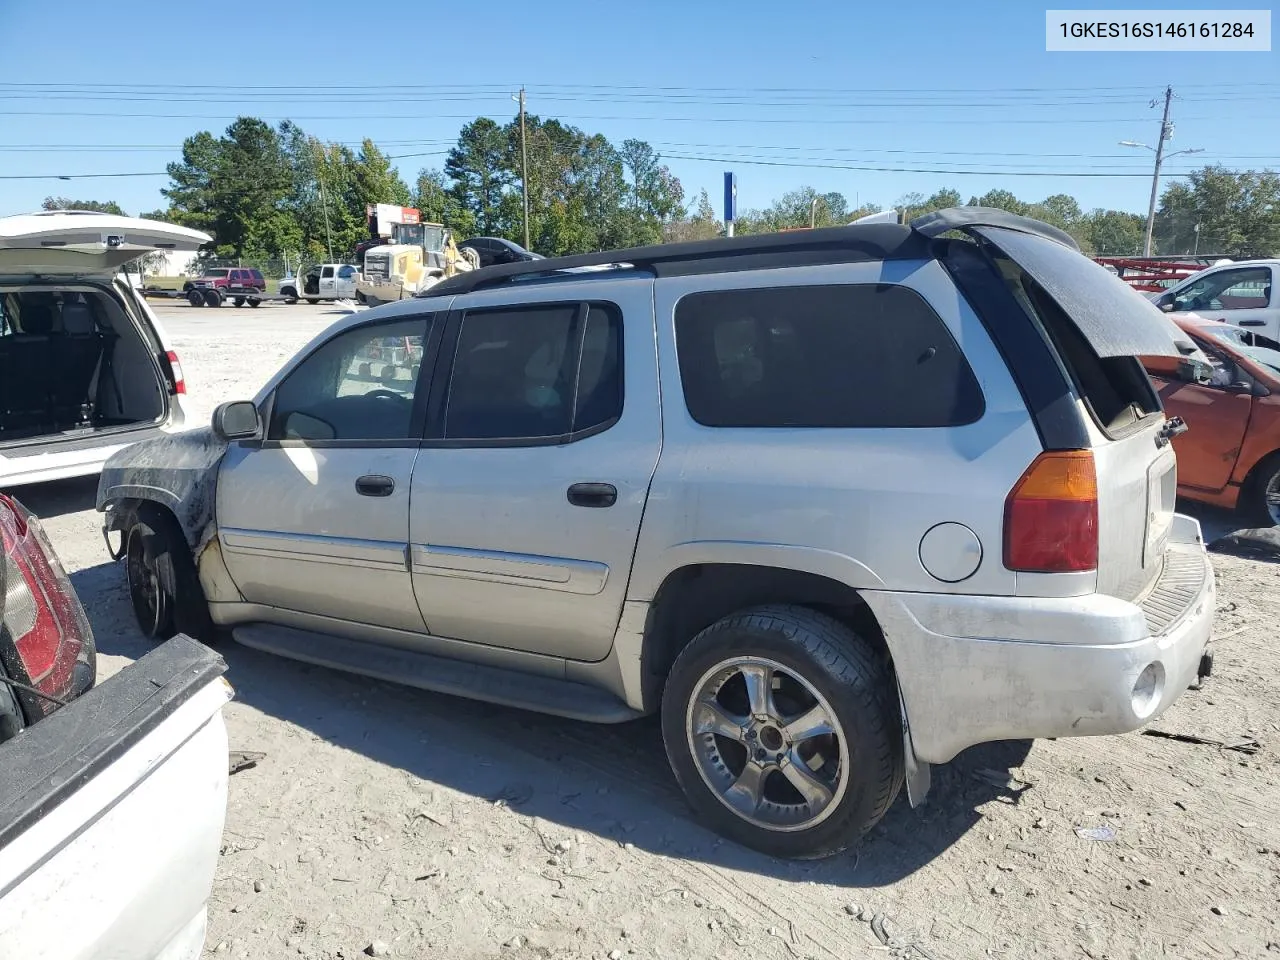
730	197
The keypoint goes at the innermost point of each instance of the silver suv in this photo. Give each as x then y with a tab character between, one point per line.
838	504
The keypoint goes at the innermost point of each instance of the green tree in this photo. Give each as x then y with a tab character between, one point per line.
96	206
235	188
1001	200
795	209
1238	213
479	166
1061	210
917	205
700	224
1114	233
376	181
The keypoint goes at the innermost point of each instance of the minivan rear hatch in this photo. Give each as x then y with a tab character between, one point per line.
1097	326
74	243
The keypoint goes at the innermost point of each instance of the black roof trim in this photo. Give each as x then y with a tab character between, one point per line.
860	242
850	244
958	218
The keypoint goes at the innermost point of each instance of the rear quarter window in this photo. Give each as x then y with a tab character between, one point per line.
863	355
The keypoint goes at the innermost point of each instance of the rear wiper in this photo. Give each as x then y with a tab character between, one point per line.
1173	427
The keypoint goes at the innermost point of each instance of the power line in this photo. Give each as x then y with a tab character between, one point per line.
881	169
504	88
1057	121
659	144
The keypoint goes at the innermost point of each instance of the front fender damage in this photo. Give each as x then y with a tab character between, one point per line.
179	472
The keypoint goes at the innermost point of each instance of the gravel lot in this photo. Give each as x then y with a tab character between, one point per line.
445	828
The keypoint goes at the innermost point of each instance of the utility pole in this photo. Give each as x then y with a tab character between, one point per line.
324	203
524	171
1165	134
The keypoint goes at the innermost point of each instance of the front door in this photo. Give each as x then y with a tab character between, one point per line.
315	517
529	491
1245	296
1217	415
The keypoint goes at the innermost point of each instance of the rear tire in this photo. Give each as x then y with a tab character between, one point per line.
746	763
164	587
1260	498
212	298
313	300
239	301
255	302
195	297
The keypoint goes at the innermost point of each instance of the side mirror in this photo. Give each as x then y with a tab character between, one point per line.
237	420
1193	371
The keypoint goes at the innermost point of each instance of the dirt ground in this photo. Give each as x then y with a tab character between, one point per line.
384	818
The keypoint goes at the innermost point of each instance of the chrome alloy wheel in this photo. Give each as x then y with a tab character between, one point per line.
767	743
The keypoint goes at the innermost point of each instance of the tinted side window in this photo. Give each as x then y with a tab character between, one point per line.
327	272
535	372
346	273
358	386
821	356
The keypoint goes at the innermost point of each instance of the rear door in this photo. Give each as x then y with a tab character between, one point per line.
529	491
345	282
1098	326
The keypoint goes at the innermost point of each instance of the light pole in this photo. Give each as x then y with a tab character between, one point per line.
1196	249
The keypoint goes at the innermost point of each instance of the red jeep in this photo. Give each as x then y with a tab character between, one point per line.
215	284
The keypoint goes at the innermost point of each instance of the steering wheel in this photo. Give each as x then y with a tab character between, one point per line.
384	394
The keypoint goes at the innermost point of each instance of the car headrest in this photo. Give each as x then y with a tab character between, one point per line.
77	318
37	318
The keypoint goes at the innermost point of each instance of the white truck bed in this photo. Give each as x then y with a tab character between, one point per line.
111	815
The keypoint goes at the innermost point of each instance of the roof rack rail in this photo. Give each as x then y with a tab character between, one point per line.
848	244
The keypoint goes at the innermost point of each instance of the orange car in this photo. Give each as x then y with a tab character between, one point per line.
1230	455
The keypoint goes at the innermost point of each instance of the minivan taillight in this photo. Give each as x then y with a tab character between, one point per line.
179	385
1051	515
51	637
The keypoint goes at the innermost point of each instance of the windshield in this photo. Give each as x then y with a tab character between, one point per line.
425	235
1237	340
214	273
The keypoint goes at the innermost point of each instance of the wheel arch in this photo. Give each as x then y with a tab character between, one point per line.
693	596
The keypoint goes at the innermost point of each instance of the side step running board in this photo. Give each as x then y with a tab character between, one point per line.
426	671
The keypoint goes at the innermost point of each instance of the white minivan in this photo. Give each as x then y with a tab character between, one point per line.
85	368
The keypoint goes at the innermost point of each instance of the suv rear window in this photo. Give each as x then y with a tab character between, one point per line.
1116	389
864	355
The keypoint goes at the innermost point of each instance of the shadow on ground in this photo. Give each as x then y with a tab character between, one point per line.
612	781
57	497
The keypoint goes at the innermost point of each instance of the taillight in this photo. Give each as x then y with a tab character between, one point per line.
52	641
1051	515
175	372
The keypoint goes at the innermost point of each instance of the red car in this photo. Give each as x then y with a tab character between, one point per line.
1230	455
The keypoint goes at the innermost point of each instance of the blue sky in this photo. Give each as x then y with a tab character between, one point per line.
784	95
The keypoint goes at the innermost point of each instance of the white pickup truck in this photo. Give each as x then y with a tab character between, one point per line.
324	281
111	814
